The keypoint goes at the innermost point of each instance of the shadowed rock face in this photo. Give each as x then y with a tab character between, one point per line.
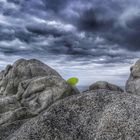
133	83
27	88
105	85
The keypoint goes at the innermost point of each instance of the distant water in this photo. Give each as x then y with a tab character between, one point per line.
82	88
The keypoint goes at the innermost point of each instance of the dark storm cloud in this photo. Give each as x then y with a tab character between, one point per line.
94	20
122	27
39	29
55	5
81	37
23	8
98	31
130	34
6	34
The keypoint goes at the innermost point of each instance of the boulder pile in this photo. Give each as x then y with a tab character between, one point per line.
36	103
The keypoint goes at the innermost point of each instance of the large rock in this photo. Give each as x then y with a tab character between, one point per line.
133	83
27	88
105	85
94	115
41	108
22	70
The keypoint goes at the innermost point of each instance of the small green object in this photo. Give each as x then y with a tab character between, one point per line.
73	81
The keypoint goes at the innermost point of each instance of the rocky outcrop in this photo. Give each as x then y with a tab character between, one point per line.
94	115
22	70
105	85
27	88
43	106
133	83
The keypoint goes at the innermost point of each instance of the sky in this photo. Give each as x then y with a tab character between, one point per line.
93	40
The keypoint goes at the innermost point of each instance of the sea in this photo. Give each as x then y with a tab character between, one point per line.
82	88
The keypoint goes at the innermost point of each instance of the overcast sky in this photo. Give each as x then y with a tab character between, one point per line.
90	39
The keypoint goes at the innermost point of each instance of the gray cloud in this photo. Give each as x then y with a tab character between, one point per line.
84	33
55	5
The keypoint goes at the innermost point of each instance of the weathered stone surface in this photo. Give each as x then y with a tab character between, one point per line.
41	108
8	103
22	70
27	88
15	115
133	83
95	115
75	118
39	93
9	128
120	120
105	85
